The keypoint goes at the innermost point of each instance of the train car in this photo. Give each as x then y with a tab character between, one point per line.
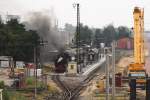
125	43
61	62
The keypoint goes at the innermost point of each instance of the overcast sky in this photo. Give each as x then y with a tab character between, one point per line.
95	13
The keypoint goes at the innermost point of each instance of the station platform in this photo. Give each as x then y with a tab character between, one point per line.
90	68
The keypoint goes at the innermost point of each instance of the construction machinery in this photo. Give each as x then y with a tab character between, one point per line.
137	69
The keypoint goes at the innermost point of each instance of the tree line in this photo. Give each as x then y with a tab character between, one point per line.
105	35
16	41
110	33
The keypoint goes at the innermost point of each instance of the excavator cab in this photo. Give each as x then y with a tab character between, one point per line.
138	72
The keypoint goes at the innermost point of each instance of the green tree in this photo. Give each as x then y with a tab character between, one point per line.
85	34
98	38
104	35
109	34
123	32
16	41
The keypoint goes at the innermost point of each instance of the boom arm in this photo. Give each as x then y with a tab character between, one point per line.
139	36
136	69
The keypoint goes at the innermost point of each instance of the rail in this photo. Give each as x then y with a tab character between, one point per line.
73	93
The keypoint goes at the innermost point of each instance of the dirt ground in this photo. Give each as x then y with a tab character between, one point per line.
121	65
4	76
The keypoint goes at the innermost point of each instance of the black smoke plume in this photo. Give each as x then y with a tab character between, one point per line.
46	26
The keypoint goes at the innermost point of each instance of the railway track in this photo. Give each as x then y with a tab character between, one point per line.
77	90
66	90
70	93
73	93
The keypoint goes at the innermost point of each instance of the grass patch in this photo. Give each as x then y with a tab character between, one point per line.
13	95
30	83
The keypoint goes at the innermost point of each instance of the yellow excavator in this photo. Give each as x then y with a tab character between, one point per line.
137	69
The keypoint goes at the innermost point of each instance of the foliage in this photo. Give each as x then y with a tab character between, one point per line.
5	95
123	32
5	92
85	34
99	38
29	81
14	95
2	85
16	41
109	34
99	35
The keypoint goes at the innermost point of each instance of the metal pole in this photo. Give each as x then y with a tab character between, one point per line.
107	76
1	96
78	35
35	71
1	93
113	71
132	89
148	89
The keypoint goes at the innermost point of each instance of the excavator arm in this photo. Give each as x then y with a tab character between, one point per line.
137	69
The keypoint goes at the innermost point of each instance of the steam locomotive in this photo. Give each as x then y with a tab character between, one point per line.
62	59
61	62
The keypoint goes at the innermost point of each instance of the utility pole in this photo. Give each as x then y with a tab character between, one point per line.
78	35
35	71
113	70
36	56
107	76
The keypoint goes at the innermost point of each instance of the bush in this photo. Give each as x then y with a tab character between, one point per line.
29	81
2	85
5	95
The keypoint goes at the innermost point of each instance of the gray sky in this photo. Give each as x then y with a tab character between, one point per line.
95	13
